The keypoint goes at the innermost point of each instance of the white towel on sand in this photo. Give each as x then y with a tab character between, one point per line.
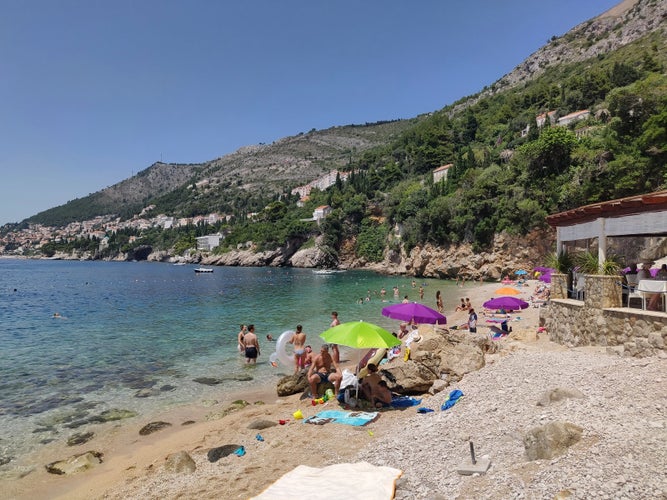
361	481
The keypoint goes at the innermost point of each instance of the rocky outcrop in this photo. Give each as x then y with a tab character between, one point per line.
445	357
309	257
292	384
506	254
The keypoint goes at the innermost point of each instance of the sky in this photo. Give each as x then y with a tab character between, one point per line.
92	91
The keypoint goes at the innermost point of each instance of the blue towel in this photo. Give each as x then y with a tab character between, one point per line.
454	396
423	409
356	418
404	401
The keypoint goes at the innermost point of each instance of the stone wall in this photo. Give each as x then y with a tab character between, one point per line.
601	320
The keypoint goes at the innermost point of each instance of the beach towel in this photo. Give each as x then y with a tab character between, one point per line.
454	396
356	418
404	401
360	481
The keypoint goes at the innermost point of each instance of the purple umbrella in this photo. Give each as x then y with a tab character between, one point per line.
545	277
509	303
414	312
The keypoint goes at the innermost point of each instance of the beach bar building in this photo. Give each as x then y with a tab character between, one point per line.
596	315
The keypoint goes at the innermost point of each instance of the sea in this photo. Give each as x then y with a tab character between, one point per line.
141	337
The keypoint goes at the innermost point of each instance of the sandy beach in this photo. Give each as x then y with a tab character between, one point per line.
622	452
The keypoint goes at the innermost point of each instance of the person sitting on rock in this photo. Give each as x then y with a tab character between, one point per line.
324	369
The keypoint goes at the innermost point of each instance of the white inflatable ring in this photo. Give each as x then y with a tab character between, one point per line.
281	349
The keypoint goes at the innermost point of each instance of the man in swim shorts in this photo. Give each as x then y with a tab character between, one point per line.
299	341
251	345
321	371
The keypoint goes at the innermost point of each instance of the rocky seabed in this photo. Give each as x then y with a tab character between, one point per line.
622	452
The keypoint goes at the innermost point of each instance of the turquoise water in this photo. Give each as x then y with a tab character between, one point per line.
150	329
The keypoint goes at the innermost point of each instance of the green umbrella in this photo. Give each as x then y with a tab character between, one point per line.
360	335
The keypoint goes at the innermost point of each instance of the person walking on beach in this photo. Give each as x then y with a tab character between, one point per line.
334	347
321	371
239	339
472	321
299	341
251	345
438	302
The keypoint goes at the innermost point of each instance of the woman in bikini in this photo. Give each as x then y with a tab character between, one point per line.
299	342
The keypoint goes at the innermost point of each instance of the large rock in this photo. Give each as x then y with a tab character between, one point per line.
308	257
292	384
75	463
215	454
551	440
180	462
438	357
152	427
415	376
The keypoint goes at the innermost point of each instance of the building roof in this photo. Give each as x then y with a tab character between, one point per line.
651	202
444	167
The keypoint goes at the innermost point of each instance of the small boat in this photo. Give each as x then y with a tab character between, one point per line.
204	270
324	271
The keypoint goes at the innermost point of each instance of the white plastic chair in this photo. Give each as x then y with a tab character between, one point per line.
633	293
647	288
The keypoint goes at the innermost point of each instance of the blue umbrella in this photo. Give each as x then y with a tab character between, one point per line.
521	271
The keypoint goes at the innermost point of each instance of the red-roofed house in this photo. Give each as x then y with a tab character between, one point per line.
441	172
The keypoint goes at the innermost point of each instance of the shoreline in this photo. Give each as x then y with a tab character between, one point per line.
130	458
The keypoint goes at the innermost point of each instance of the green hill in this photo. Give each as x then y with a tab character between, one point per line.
509	169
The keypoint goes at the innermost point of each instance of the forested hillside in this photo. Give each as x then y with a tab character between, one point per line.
517	154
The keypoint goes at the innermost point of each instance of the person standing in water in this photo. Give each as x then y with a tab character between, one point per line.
239	338
334	347
438	302
299	341
251	345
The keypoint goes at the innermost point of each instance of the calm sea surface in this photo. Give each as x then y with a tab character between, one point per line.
149	329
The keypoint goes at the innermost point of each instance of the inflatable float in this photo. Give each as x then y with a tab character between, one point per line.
281	350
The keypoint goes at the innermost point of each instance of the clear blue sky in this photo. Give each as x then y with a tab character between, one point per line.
94	91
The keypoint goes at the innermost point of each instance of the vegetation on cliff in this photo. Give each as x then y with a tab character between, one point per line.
512	164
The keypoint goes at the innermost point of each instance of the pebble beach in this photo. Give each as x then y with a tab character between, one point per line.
621	410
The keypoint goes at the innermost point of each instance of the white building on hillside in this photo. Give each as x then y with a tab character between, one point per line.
321	212
441	172
208	242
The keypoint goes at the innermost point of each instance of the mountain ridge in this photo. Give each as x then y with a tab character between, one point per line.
275	168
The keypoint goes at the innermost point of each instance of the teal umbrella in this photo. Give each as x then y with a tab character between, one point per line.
360	335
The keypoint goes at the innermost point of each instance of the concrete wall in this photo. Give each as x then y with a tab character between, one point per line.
600	320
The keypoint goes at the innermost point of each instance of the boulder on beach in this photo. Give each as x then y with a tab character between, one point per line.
75	463
180	462
153	427
551	440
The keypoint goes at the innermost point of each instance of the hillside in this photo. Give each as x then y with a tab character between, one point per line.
582	120
266	168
